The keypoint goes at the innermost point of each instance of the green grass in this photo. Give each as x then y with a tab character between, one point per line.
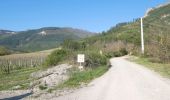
162	69
17	77
79	77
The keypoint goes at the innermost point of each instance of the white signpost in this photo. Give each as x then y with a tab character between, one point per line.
80	59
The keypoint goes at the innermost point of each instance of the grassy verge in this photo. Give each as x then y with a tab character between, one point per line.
17	78
79	77
163	69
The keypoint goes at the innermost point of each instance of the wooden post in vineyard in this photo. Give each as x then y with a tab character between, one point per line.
31	63
41	60
8	67
10	64
19	63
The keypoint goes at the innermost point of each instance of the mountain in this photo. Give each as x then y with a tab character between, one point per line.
6	32
127	35
40	39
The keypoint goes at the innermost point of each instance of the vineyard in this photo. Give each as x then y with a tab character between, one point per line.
18	61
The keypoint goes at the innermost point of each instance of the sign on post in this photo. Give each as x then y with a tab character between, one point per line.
80	59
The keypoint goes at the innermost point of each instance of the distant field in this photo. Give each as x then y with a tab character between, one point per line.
34	54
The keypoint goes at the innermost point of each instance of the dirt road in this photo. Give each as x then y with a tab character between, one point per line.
124	81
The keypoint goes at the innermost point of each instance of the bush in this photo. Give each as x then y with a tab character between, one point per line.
119	53
4	51
94	59
109	55
123	51
42	87
56	56
74	45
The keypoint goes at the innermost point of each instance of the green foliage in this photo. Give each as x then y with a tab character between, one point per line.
17	77
77	78
163	69
42	87
119	53
123	51
159	11
74	45
33	40
154	60
95	59
56	56
156	36
4	51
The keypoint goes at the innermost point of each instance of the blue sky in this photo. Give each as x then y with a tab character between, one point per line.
92	15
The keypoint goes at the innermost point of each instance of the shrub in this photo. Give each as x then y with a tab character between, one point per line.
123	51
74	45
56	56
94	59
42	87
119	53
4	51
109	55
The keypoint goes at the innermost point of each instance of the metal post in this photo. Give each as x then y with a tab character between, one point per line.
80	63
142	38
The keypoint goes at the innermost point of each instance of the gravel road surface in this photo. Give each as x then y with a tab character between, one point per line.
124	81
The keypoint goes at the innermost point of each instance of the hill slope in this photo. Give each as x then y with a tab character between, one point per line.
41	39
6	32
127	35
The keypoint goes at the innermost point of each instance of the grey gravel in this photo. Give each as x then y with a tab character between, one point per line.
124	81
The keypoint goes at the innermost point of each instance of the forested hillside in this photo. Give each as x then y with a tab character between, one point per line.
40	39
127	35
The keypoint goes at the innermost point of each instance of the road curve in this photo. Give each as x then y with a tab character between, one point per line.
124	81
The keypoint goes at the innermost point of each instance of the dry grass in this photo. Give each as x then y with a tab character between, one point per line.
33	54
162	69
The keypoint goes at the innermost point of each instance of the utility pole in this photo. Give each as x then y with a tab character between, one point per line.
142	38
